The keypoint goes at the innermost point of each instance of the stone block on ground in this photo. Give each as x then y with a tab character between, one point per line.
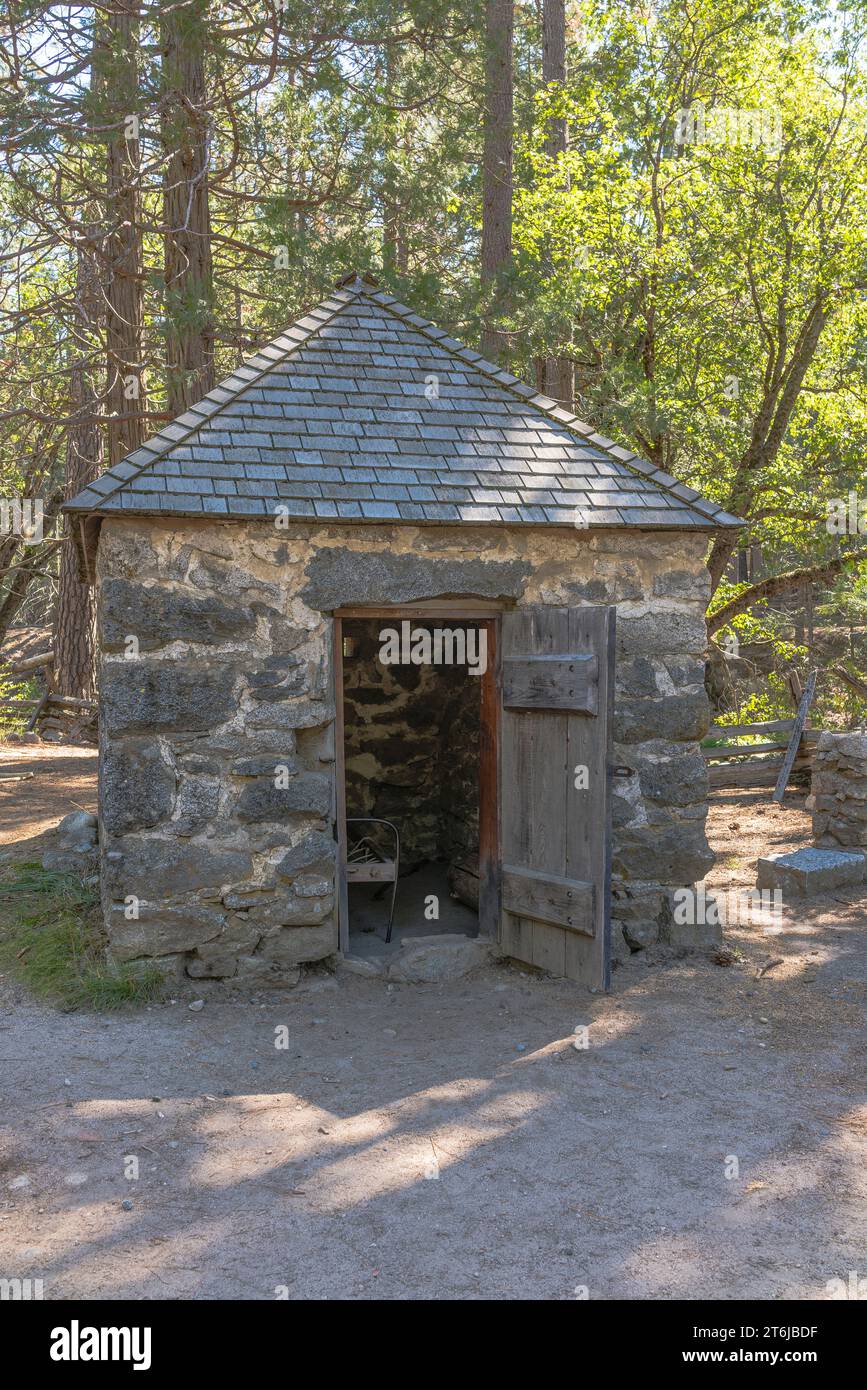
805	872
78	830
357	965
432	960
76	851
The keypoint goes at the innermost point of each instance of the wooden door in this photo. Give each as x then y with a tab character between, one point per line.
557	685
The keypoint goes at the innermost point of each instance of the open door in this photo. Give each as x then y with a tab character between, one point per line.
557	687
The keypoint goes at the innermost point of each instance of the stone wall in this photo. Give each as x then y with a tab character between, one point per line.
838	792
217	739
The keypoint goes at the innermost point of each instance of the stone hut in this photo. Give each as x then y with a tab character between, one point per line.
365	478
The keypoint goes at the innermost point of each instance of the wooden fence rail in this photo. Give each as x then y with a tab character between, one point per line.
64	701
755	764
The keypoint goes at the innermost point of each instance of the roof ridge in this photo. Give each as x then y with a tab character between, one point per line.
641	467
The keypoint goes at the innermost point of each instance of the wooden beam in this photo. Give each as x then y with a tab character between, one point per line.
551	682
374	871
457	610
758	773
488	784
712	754
33	720
544	897
770	726
340	790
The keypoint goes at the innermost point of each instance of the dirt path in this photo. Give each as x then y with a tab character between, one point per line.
40	785
450	1142
744	825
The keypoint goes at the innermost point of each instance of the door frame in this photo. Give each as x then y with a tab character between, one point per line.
448	611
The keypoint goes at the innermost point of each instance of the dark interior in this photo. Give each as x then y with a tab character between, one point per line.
411	746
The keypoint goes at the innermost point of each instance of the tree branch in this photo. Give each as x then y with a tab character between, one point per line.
780	584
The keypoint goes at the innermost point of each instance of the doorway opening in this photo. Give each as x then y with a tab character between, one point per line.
416	777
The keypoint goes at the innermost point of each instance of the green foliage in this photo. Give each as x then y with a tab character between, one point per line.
760	707
676	261
51	936
11	721
678	276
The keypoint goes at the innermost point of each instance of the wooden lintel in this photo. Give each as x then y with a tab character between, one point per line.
458	610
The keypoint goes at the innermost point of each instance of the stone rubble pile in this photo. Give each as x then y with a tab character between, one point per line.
838	794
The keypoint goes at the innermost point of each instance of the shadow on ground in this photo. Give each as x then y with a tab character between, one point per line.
450	1141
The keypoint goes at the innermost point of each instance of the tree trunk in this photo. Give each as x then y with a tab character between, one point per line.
186	210
75	618
395	256
29	565
557	374
497	171
784	377
115	74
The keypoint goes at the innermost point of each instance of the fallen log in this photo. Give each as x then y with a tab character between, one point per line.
31	663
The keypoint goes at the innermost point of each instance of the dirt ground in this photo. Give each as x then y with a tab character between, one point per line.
436	1142
39	785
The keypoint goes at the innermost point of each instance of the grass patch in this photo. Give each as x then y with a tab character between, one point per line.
52	938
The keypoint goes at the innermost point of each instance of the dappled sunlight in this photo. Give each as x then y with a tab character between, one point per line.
478	1115
82	1248
408	1158
766	1204
360	1157
55	783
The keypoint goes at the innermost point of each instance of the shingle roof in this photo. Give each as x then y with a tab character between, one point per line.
364	411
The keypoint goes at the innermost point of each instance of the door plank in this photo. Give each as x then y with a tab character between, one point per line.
549	948
534	806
